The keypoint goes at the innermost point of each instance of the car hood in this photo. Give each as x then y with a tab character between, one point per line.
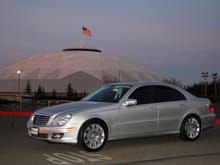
72	107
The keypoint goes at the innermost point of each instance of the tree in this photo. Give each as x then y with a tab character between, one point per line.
28	89
40	92
195	89
70	91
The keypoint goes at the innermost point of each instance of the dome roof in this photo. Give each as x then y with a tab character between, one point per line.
85	69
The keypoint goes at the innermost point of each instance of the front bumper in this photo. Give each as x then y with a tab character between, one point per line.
54	134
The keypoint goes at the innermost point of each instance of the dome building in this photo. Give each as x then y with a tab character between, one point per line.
85	69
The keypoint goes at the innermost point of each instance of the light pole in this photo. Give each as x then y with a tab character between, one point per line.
215	77
218	86
205	75
19	87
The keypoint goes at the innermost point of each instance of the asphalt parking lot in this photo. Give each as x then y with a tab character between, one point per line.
16	148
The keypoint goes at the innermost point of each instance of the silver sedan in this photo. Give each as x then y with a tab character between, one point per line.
124	110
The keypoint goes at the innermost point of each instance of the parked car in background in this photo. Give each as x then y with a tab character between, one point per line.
124	110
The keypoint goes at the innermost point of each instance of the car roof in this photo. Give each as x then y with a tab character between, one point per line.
142	83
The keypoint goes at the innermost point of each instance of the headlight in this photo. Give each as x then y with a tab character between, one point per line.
61	120
31	117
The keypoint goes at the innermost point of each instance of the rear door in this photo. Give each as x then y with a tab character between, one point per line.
171	104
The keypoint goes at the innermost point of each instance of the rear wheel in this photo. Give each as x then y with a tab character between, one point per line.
191	128
93	135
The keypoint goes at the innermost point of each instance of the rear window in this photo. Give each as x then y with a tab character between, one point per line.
164	94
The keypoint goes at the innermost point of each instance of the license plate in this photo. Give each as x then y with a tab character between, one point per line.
34	131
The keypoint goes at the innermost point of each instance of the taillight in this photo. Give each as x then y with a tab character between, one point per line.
211	108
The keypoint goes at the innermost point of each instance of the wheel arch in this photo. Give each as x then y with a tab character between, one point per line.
94	119
190	115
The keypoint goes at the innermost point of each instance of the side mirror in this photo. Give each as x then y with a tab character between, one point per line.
130	102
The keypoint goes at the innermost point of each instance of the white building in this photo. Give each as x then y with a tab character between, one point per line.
85	69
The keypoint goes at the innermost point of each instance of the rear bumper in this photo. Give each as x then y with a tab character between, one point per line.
208	121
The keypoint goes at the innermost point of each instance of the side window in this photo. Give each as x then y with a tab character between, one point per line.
178	95
143	95
164	94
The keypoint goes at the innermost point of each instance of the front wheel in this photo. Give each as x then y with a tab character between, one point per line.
191	128
92	136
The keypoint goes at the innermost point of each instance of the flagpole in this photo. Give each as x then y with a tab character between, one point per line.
86	32
81	41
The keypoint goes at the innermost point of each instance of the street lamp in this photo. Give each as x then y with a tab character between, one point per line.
19	87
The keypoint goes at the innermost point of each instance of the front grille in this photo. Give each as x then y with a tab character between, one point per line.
40	120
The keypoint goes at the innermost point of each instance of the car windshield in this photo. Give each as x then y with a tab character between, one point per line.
108	93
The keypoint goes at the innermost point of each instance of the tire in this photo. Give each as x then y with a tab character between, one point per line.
191	128
93	135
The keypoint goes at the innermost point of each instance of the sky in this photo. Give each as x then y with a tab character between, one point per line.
176	38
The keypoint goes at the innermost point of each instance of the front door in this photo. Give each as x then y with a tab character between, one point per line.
140	119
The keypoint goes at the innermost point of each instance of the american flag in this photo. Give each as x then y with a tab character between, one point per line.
86	31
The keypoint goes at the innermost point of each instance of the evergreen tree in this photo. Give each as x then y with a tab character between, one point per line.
28	89
70	91
40	92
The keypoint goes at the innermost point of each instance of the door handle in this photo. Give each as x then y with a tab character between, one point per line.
152	108
182	105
